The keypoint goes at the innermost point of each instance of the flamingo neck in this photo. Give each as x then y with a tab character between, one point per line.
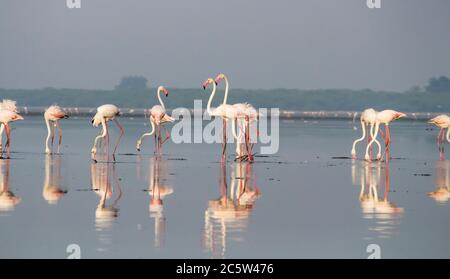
47	122
225	97
208	107
159	98
448	134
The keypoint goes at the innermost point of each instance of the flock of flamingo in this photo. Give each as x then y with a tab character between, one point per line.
371	121
241	116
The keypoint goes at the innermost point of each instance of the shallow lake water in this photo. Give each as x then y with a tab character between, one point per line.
306	201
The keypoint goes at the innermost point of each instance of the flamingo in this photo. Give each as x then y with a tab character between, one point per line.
7	116
51	116
104	114
368	118
224	110
443	122
6	105
384	117
158	117
243	112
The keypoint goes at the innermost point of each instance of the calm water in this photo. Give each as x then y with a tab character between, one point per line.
300	203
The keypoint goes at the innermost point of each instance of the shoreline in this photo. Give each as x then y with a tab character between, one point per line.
283	114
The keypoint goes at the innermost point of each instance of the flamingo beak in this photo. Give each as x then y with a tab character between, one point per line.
204	87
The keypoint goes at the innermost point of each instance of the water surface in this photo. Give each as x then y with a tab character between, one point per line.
300	203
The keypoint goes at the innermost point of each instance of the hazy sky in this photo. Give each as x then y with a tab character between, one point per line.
304	44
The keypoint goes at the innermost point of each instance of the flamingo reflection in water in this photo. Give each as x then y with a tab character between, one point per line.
53	190
158	189
442	192
8	200
106	184
228	216
374	197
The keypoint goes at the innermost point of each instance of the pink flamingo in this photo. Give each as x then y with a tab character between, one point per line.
443	122
384	117
7	116
368	119
52	116
6	105
225	111
242	112
158	117
104	114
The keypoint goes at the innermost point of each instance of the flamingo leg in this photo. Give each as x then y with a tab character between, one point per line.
60	136
156	144
247	144
2	127
442	145
8	140
159	140
224	144
438	140
438	143
107	141
118	140
388	143
52	132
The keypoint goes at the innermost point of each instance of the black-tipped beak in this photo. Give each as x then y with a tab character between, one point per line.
216	83
92	121
204	87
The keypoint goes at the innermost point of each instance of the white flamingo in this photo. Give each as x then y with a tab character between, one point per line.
243	112
384	117
368	118
225	111
7	116
443	122
158	117
6	105
52	116
104	114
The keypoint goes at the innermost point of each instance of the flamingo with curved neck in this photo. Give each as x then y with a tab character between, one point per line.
368	118
224	110
241	112
384	117
158	117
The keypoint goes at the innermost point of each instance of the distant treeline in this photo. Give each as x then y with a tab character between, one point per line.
132	92
310	100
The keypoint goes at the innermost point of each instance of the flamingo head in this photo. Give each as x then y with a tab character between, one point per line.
219	77
17	117
398	115
207	82
96	120
163	90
